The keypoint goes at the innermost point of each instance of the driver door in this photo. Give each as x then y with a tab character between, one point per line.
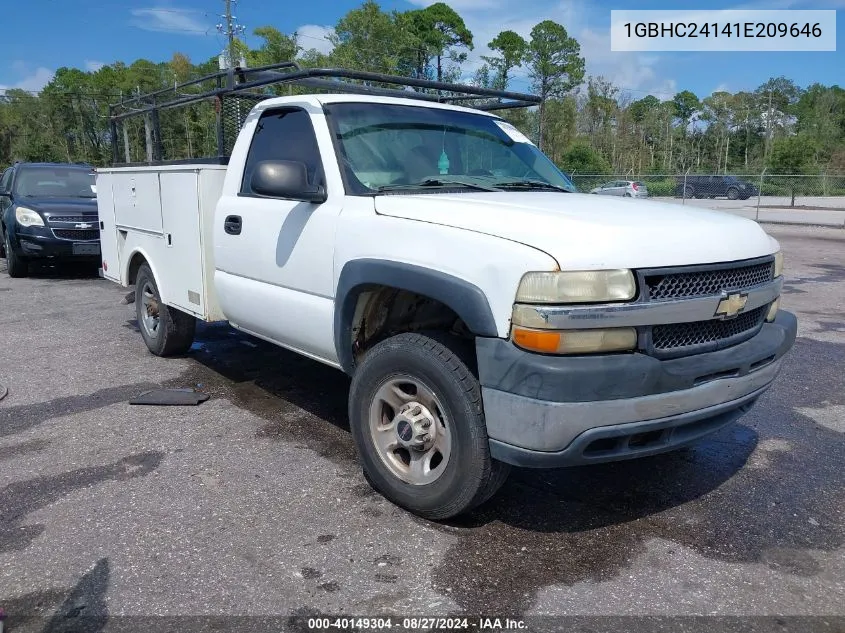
273	256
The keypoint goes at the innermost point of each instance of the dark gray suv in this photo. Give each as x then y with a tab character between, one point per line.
729	187
48	211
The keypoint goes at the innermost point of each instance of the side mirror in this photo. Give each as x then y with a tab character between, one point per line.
285	179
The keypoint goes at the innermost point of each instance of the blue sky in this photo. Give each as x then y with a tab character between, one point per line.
42	35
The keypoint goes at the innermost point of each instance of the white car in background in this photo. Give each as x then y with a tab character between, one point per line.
624	188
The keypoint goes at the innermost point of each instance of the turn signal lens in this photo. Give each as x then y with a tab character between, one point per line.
778	263
575	341
773	310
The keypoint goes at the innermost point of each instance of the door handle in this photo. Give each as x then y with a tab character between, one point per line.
232	225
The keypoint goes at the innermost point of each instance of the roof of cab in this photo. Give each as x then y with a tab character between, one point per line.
325	99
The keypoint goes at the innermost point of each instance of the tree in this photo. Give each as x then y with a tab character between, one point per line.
276	47
686	105
512	49
554	63
583	159
440	33
792	155
778	96
369	39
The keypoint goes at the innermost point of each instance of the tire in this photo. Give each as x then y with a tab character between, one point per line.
165	330
628	195
15	265
733	193
689	192
429	375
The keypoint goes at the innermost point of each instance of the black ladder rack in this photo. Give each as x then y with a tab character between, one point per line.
236	90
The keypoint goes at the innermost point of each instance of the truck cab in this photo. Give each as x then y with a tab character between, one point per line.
487	314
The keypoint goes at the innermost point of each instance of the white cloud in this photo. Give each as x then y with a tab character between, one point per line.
93	65
315	36
167	20
33	82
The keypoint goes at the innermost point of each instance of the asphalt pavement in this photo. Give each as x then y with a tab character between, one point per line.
252	504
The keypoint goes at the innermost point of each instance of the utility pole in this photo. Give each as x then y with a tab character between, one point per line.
230	28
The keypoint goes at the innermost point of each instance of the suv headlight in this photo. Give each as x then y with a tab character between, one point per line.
590	286
778	263
28	217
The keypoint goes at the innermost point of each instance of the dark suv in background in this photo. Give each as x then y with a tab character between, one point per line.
48	211
729	187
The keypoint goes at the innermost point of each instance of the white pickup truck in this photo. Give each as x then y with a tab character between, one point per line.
487	315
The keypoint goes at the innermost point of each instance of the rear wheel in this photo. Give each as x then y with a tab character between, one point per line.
15	265
689	191
418	424
165	330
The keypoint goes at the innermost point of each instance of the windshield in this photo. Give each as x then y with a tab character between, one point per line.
400	147
55	182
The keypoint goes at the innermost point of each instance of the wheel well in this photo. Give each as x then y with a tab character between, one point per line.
383	311
135	264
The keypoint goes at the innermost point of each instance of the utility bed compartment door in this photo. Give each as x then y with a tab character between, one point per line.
111	265
137	201
182	270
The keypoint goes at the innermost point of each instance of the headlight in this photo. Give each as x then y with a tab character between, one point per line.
28	217
778	263
575	341
591	286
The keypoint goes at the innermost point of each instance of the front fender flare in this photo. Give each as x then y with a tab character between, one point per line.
467	300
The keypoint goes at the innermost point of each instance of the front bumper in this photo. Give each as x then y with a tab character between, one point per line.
551	411
43	244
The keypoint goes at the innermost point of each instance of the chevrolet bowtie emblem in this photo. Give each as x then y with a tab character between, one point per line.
83	225
731	305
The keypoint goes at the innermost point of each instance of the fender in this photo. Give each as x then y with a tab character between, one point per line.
138	250
467	300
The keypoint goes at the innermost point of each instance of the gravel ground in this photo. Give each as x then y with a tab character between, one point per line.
252	504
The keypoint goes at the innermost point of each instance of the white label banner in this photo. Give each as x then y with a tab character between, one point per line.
723	30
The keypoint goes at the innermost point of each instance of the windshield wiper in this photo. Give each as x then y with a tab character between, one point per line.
438	182
529	184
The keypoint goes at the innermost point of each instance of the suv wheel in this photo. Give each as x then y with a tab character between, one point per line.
733	193
418	423
15	265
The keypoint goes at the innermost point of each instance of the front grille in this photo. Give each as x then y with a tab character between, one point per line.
680	337
685	285
79	235
66	218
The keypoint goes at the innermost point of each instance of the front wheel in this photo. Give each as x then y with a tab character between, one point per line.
165	330
733	193
15	265
418	423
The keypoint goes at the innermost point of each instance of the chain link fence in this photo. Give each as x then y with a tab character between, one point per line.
741	192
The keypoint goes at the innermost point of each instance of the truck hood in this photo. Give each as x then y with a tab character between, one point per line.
591	232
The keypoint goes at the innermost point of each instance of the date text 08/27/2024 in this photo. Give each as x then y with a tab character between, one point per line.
414	624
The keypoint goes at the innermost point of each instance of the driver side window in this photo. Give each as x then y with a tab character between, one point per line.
284	135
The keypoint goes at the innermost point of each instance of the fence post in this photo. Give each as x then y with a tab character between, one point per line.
684	200
760	193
